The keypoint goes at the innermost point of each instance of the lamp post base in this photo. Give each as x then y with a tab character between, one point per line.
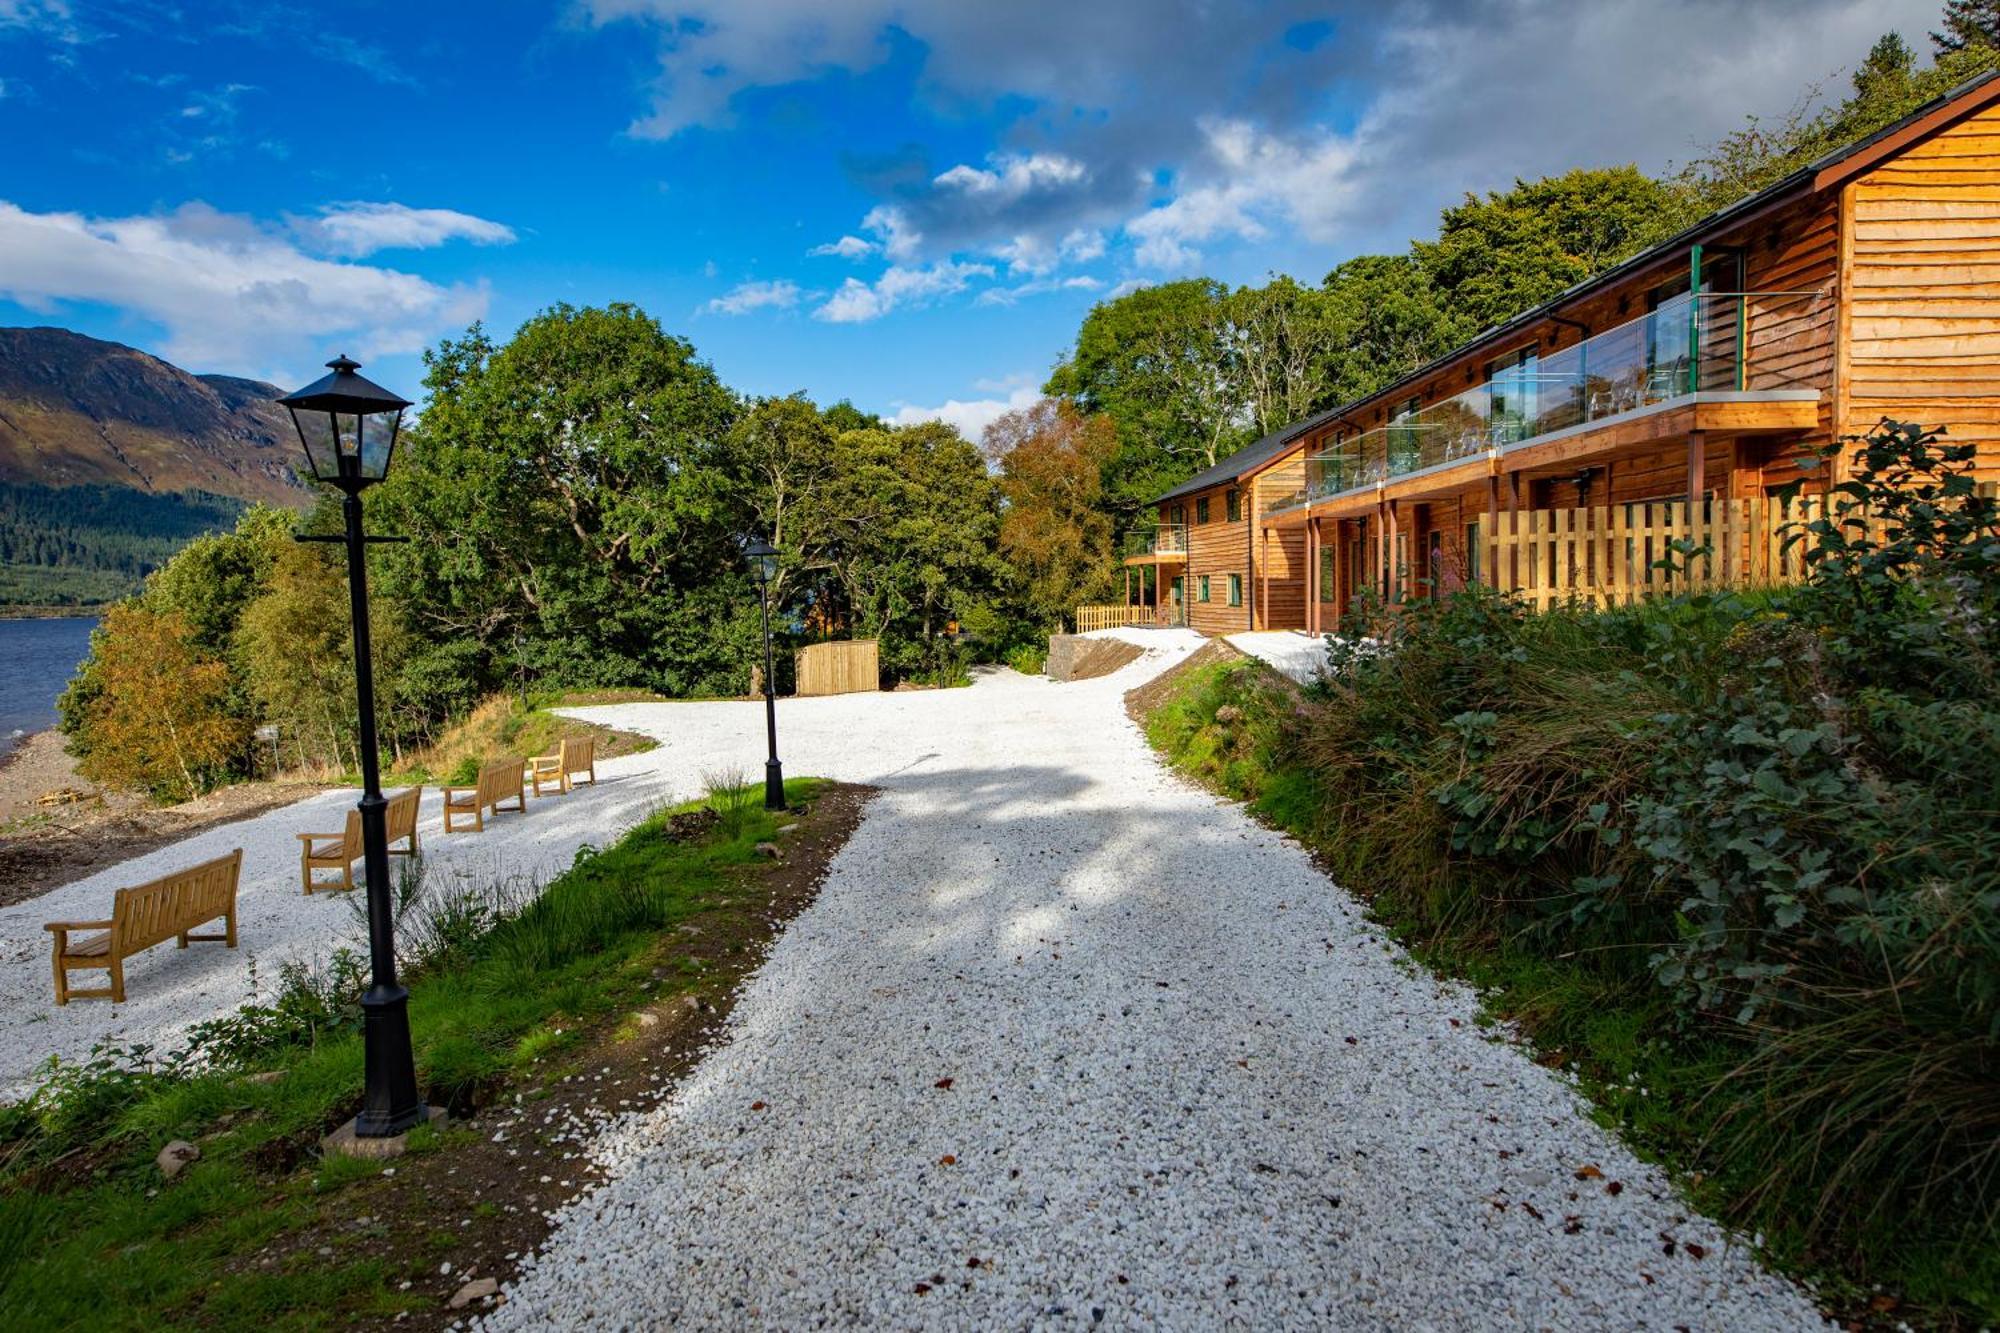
390	1104
349	1141
774	785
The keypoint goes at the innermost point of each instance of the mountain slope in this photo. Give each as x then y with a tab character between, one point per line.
77	411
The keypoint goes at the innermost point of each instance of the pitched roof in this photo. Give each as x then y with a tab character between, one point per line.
1247	459
1832	168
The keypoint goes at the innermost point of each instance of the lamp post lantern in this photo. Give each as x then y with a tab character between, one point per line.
763	559
348	427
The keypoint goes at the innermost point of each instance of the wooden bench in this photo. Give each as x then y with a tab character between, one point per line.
500	781
571	756
339	851
144	915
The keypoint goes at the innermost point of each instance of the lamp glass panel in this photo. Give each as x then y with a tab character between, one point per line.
378	437
316	433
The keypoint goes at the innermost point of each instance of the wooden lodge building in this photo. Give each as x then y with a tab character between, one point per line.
1555	454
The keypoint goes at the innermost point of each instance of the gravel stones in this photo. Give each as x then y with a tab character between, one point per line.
1107	1053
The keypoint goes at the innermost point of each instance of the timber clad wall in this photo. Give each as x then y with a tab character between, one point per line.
1923	268
1216	548
1281	555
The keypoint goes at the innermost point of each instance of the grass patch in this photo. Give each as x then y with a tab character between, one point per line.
503	725
90	1235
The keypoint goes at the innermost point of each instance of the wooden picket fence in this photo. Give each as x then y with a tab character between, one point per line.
1610	555
1117	616
848	667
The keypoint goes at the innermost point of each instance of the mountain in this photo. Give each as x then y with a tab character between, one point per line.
77	411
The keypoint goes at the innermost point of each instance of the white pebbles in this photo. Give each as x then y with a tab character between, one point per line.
1064	1042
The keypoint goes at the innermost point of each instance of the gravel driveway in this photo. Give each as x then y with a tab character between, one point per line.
1065	1041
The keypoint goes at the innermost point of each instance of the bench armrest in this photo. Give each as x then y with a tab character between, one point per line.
319	837
78	925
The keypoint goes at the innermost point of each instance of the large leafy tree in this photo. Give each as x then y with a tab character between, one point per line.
1054	535
1497	256
1968	23
1160	363
1389	319
569	508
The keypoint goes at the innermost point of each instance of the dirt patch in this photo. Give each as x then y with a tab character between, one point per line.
1074	657
47	844
478	1203
1143	702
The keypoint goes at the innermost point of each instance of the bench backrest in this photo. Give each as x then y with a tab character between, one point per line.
576	754
401	815
501	780
160	909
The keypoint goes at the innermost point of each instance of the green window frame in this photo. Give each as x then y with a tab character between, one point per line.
1201	510
1234	500
1204	588
1236	590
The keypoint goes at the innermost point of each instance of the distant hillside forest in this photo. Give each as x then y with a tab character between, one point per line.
87	545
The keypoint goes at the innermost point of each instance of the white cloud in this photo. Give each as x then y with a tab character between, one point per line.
51	17
358	229
972	416
1258	178
1014	175
230	293
1035	254
745	297
858	302
847	247
898	239
1009	295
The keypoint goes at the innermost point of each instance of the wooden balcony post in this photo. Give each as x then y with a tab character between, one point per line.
1697	465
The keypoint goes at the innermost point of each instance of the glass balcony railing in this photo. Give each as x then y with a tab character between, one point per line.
1166	539
1709	343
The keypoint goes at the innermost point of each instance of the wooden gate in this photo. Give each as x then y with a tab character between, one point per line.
839	668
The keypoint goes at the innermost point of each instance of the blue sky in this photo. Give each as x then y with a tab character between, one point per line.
908	204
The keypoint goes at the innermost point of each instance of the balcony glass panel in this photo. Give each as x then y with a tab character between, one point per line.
1707	343
1165	539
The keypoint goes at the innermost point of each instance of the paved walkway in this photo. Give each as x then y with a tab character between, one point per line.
1065	1042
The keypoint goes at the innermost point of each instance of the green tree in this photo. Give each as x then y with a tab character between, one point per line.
1510	251
568	488
1160	363
1389	320
1281	336
1968	23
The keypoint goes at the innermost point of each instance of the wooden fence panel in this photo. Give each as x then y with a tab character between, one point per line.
849	667
1611	555
1117	616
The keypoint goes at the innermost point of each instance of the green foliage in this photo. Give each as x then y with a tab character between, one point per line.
1509	252
568	509
1757	828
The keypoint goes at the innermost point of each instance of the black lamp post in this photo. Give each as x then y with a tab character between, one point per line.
763	558
348	427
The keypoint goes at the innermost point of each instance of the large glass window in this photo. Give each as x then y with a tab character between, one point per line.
1201	510
1202	589
1234	500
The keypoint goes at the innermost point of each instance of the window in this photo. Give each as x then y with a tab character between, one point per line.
1236	590
1202	595
1235	502
1201	510
1472	553
1177	516
1326	574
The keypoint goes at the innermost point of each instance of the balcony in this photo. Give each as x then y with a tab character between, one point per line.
1735	344
1165	544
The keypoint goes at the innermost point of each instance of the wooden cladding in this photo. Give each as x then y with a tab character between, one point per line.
1922	259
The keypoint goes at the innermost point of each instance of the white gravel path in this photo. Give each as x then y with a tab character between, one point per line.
1189	1085
858	738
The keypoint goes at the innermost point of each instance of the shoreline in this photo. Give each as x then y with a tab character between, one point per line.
54	612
